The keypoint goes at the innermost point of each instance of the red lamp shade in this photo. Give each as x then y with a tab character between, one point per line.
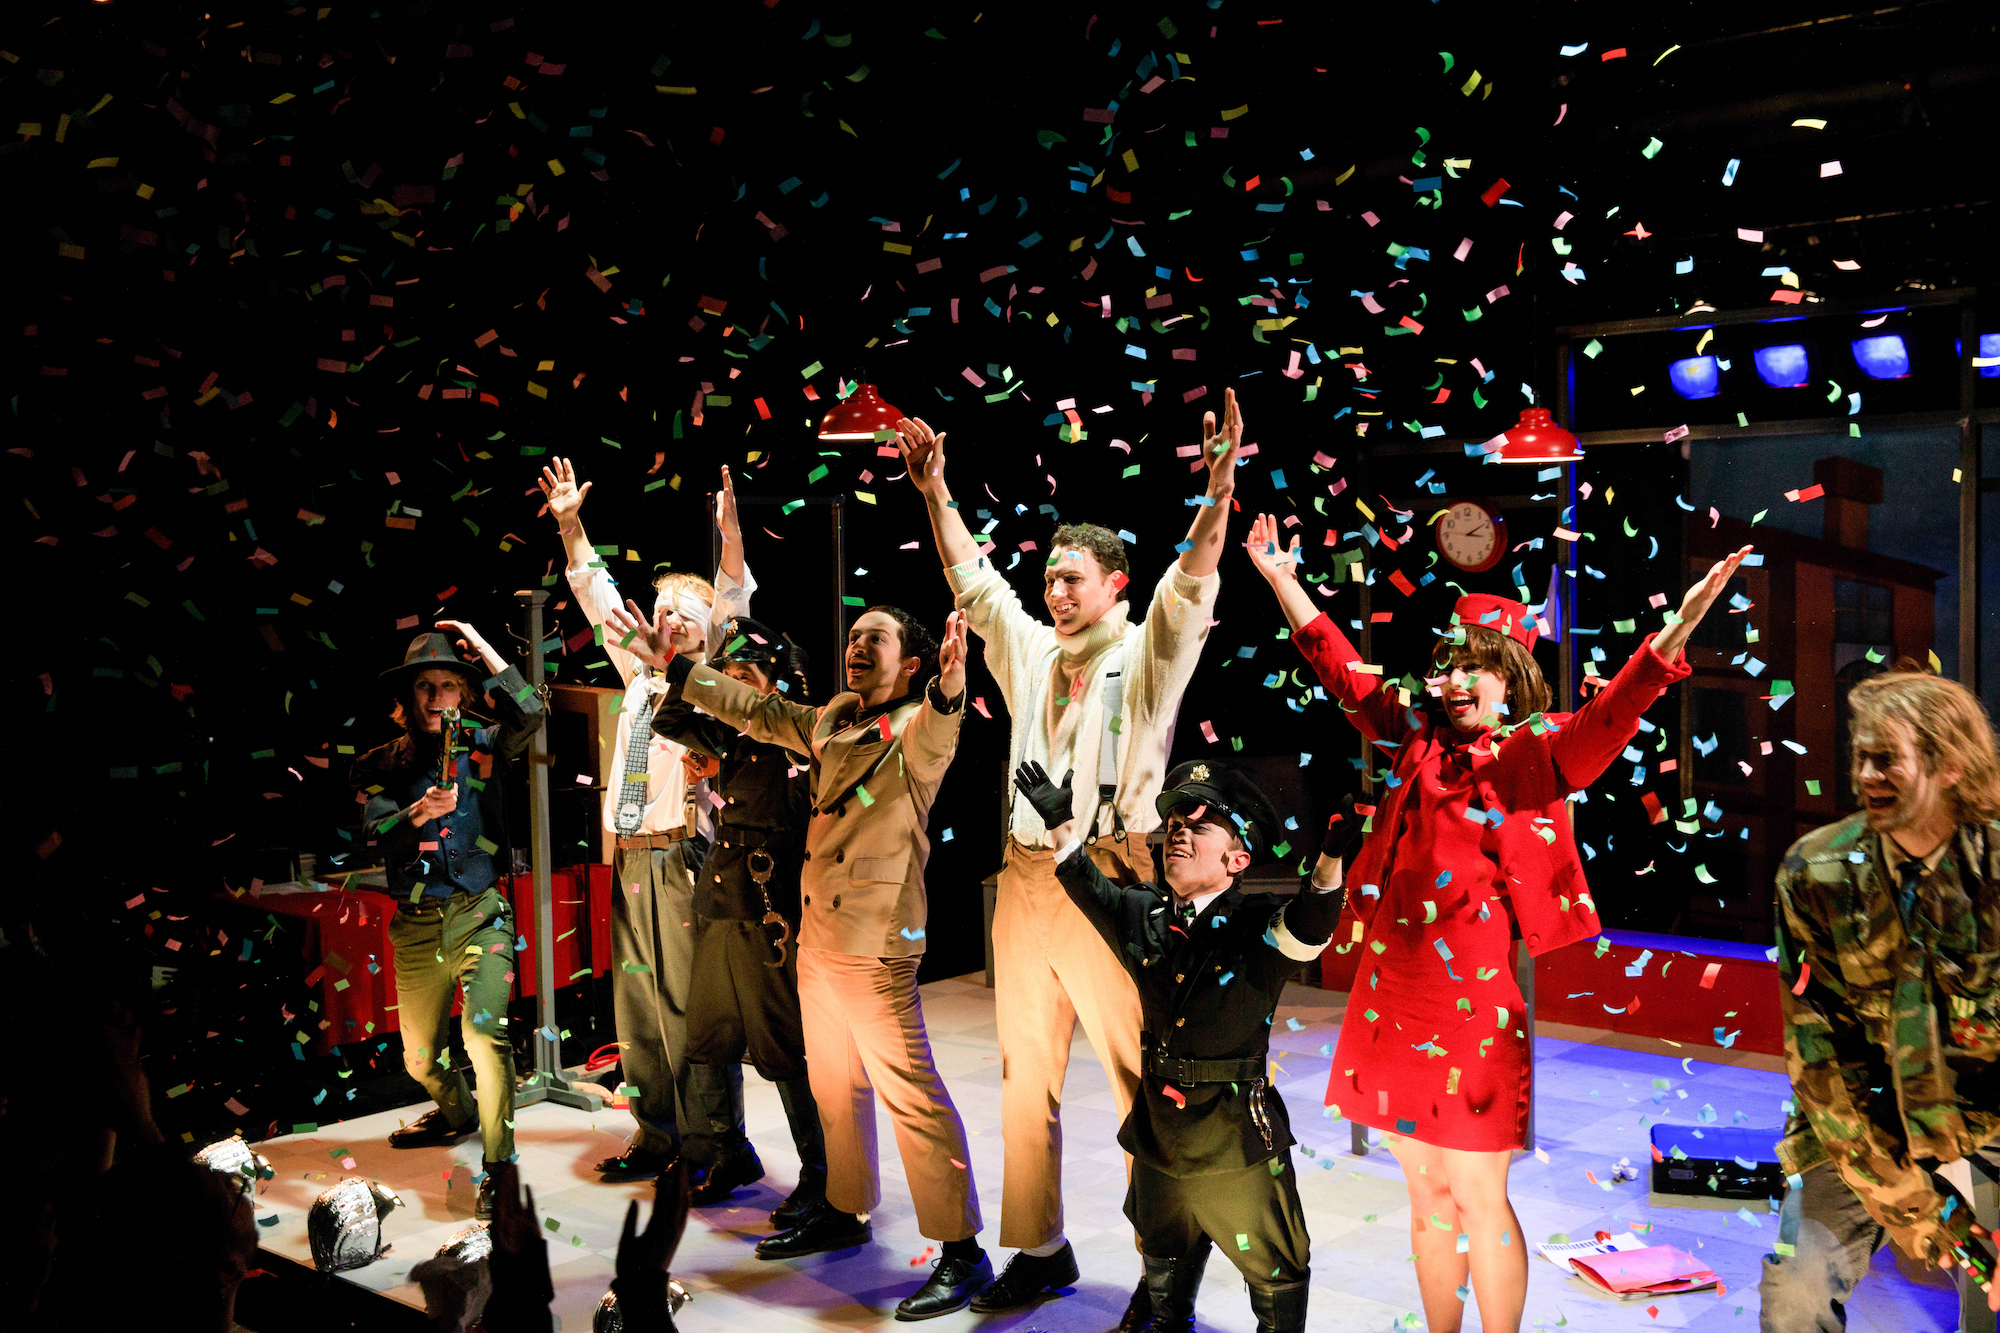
860	416
1538	439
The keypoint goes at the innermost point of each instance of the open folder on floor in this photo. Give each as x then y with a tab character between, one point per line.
1624	1268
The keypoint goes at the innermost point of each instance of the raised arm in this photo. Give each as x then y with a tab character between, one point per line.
1836	1066
1606	723
1376	712
923	455
1211	517
565	499
730	525
519	707
762	717
930	737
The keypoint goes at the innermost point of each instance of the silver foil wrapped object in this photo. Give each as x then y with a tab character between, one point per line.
345	1224
608	1319
233	1157
457	1281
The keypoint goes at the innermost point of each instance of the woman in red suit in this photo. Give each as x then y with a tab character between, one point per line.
1471	850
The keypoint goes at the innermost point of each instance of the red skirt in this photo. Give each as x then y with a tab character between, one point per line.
1434	1042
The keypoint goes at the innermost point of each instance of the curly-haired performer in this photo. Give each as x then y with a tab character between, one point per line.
1470	849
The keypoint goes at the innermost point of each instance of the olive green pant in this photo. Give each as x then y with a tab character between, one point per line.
466	940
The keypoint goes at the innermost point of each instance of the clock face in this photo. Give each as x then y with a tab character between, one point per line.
1471	536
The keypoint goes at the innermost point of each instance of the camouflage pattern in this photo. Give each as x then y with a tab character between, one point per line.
1892	1038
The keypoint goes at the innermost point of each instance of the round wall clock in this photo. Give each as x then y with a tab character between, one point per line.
1471	534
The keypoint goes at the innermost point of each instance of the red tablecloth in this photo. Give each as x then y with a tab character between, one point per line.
352	969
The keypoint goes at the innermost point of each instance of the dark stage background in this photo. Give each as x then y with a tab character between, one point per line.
302	299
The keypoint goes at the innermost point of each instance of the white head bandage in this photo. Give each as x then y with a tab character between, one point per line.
687	604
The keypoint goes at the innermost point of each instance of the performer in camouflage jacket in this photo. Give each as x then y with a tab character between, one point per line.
1889	954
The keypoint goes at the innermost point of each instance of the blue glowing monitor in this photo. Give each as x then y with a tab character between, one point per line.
1989	349
1783	366
1883	357
1696	377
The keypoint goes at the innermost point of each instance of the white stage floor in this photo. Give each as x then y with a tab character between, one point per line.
1591	1100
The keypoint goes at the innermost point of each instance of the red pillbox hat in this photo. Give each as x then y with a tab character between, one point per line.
1500	614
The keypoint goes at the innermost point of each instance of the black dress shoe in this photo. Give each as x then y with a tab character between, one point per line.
1138	1311
713	1184
825	1228
482	1207
633	1164
1028	1278
810	1194
431	1130
953	1284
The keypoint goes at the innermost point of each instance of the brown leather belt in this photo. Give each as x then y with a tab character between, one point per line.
652	841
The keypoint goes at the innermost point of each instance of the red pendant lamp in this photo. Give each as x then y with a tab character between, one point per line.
1536	438
860	416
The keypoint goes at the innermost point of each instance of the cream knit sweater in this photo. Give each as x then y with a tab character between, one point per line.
1158	658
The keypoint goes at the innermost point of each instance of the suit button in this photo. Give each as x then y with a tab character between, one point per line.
1179	977
718	879
809	856
836	900
838	857
1180	1022
732	800
809	900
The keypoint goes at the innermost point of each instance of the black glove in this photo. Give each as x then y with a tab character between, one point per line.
1051	802
1343	831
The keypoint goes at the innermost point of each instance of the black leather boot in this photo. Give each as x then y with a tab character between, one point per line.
720	1158
1280	1307
1138	1316
1171	1313
802	1113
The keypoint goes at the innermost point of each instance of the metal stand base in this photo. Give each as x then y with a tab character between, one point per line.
558	1089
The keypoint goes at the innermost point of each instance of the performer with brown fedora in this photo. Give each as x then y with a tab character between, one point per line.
745	997
433	814
1209	1137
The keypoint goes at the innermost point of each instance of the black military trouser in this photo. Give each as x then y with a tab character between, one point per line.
1252	1215
740	1005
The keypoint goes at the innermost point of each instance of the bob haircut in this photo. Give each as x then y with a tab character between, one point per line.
1490	650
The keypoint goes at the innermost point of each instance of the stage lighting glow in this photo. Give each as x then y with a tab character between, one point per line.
1783	366
1883	357
1696	377
1989	350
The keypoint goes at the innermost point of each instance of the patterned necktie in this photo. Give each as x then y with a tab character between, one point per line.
633	779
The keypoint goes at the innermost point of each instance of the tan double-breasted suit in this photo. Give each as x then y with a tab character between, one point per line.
875	772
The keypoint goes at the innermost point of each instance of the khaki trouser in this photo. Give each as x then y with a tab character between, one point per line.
1051	968
864	1028
652	945
440	943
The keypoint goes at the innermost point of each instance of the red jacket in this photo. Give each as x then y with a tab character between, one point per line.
1527	781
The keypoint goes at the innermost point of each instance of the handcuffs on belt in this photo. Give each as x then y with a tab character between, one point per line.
761	865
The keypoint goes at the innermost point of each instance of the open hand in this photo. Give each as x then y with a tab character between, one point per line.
1219	446
951	657
649	640
1051	802
469	640
564	495
1702	595
1274	560
726	517
923	454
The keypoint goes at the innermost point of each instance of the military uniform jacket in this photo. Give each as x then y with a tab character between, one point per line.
1208	992
1891	1029
875	772
455	852
765	803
